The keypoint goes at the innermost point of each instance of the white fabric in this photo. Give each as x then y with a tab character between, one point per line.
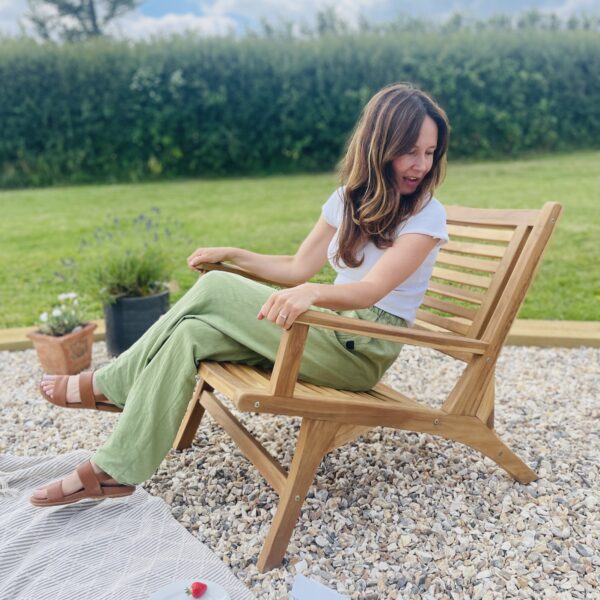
123	549
404	300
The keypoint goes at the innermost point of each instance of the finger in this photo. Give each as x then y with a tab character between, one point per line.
195	253
283	316
273	313
290	321
199	259
265	308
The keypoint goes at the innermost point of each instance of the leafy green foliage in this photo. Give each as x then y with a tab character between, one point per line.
134	273
63	317
126	257
188	107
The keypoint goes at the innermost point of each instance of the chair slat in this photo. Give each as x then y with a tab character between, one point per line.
453	291
495	217
449	307
466	262
478	233
459	277
488	250
498	285
249	376
446	323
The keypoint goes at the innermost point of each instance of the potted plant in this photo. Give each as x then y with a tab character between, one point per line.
64	341
127	266
134	293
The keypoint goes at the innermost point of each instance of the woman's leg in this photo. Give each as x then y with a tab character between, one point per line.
215	320
223	327
118	378
159	398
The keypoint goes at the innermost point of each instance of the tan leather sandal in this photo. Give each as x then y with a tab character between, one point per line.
94	488
86	393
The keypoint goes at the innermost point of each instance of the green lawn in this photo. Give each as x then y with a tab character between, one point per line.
272	214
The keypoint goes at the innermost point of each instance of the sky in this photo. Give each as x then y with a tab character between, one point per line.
219	17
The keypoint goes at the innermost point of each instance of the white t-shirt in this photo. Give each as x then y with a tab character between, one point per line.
404	300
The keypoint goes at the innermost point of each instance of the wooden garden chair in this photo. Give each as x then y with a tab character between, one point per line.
478	284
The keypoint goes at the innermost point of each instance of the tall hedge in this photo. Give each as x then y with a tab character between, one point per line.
108	111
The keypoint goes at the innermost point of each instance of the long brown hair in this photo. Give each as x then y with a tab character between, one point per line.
373	207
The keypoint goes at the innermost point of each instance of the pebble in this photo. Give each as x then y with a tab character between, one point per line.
395	514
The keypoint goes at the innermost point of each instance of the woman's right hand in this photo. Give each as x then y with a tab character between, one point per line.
208	255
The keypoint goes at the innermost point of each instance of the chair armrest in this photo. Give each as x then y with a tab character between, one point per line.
205	267
445	342
416	337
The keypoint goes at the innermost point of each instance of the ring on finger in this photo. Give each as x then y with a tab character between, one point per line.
284	317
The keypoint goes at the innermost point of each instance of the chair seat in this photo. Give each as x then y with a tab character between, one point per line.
237	381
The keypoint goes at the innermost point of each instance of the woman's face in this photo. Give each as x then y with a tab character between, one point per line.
411	168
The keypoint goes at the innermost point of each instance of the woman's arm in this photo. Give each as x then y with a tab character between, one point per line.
396	265
289	270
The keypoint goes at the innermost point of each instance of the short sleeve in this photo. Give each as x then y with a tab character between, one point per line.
333	209
431	220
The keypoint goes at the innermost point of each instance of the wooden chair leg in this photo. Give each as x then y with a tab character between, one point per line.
313	442
485	411
486	440
191	420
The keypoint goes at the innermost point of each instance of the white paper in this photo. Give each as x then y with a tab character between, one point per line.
307	589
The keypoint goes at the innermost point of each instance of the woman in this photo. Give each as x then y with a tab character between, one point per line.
381	232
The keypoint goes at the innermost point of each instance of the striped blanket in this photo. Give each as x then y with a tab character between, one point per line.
117	549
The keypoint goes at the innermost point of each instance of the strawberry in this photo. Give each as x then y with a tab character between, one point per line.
196	590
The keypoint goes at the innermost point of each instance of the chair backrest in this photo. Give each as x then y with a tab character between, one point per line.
484	271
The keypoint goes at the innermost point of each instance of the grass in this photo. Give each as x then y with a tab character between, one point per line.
39	227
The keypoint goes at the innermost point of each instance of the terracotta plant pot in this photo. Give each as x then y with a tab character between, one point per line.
66	354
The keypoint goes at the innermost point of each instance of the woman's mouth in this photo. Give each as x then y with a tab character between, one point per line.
412	182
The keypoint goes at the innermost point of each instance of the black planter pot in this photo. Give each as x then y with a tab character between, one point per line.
127	319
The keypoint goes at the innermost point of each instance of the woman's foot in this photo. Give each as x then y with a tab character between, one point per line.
71	483
73	395
87	482
76	391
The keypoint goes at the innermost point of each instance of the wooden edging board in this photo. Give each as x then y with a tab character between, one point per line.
524	332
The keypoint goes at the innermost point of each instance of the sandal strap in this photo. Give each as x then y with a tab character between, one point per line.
89	479
54	491
59	394
86	390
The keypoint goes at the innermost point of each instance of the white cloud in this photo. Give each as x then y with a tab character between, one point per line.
10	13
134	25
138	26
289	10
574	7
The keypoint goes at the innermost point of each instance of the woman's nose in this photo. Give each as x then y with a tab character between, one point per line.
420	163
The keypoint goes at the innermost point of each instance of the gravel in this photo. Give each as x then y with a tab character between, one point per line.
396	514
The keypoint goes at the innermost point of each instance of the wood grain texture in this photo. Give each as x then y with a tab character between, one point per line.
191	419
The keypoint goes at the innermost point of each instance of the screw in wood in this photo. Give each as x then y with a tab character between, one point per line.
257	405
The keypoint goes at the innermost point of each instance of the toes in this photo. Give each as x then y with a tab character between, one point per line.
40	493
48	387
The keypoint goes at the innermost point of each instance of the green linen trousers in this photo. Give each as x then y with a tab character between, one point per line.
216	319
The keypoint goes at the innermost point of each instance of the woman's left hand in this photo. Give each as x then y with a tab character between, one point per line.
284	306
